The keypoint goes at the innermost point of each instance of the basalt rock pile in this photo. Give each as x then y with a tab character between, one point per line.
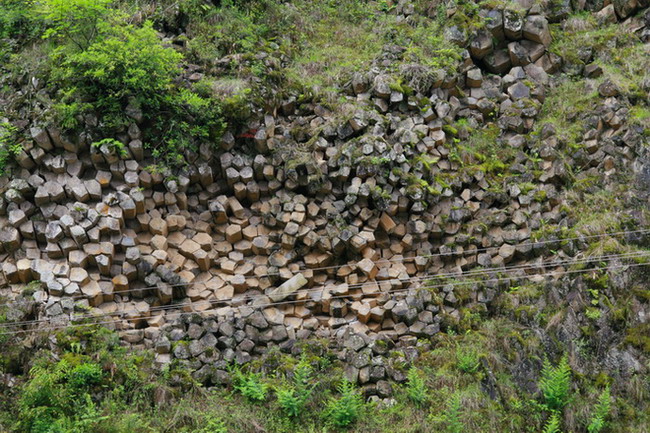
312	222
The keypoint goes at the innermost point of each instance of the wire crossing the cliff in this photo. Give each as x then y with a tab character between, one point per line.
476	273
270	304
398	259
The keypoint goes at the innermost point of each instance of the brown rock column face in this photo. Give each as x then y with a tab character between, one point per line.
309	222
536	29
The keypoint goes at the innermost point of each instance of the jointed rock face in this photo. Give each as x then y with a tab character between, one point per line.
273	238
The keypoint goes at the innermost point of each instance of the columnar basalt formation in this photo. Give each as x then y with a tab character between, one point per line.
313	223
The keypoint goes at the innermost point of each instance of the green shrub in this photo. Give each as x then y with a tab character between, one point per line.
9	147
115	69
345	409
289	401
416	389
85	375
113	145
250	385
230	28
555	384
601	412
57	397
124	64
214	425
75	21
17	19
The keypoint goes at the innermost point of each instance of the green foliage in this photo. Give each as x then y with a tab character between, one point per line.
75	21
593	313
292	398
124	69
426	45
3	336
552	424
250	385
467	359
230	28
125	63
9	147
639	336
214	425
452	417
54	392
17	20
85	375
344	410
598	419
114	145
289	401
555	384
416	388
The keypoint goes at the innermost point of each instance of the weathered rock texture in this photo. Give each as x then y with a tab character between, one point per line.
311	223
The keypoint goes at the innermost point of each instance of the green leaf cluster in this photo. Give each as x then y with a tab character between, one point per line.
75	21
601	412
292	398
51	400
17	19
250	385
552	424
555	384
416	388
126	65
345	409
467	360
122	72
9	146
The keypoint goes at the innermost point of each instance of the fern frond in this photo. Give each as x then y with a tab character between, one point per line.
555	383
552	424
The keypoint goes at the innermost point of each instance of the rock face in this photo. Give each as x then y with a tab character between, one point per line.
313	224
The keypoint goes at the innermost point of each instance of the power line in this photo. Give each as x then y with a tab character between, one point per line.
330	298
400	259
465	251
334	297
479	272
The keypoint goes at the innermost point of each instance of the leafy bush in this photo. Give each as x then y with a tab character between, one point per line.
235	28
123	72
76	21
416	389
214	425
345	409
113	145
601	412
58	395
17	19
289	401
9	147
85	375
125	64
555	383
250	385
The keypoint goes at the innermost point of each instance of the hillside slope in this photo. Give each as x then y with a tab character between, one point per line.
314	216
